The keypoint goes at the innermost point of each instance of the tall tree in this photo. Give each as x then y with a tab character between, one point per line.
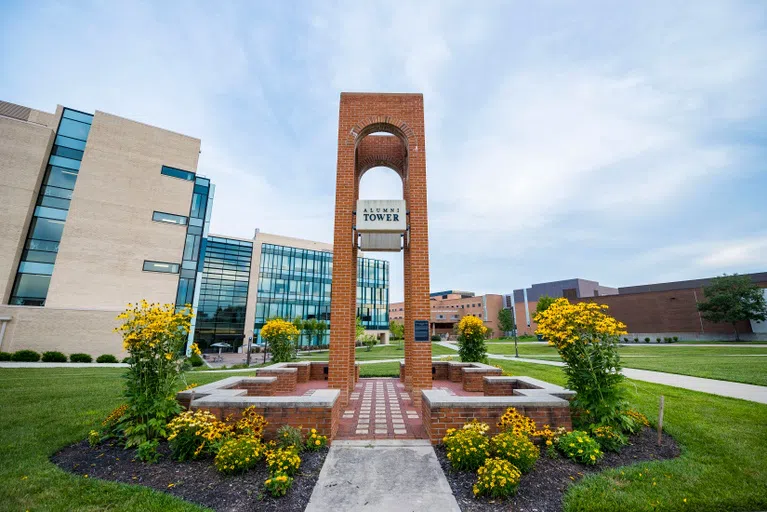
505	321
544	302
732	299
397	330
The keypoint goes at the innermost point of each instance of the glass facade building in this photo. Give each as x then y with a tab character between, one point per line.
42	245
295	282
223	292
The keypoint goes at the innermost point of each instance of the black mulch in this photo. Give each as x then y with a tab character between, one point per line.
196	481
542	489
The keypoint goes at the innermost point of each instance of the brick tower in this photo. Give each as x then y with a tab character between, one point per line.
361	116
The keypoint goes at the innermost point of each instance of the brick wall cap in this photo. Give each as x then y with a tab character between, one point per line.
224	384
471	369
440	399
325	398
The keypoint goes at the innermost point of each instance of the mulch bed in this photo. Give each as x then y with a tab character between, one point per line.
195	481
543	488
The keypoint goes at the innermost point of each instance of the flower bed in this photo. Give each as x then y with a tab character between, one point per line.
197	481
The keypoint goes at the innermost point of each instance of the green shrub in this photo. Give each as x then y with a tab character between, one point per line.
106	358
467	448
278	485
436	337
577	445
5	356
609	438
147	451
647	340
636	340
80	358
288	436
196	361
25	356
515	448
497	478
54	357
675	338
657	340
126	360
238	455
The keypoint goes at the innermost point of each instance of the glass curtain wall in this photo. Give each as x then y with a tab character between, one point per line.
42	244
295	282
194	246
223	292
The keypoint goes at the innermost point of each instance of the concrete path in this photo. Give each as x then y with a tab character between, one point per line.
398	476
729	389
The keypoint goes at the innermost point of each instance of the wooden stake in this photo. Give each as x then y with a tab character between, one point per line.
660	422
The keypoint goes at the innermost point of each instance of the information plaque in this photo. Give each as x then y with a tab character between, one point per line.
421	329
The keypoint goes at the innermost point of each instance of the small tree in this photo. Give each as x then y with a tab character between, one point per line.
298	322
733	299
320	329
471	340
359	328
310	328
397	330
281	337
505	321
544	303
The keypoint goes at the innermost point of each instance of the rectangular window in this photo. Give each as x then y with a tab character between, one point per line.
69	142
46	229
177	173
74	129
161	266
31	289
170	218
74	154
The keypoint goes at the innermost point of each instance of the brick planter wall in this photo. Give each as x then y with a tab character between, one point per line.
455	371
286	378
473	377
318	371
303	371
266	386
440	371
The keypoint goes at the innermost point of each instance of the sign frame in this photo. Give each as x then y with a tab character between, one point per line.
419	327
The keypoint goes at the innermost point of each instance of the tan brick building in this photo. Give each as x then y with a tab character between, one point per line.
448	307
98	211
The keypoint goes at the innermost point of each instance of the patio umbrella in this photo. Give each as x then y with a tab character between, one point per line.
221	345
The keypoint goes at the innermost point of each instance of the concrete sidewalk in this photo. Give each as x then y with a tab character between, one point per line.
397	476
729	389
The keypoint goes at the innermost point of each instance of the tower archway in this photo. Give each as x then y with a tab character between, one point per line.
362	116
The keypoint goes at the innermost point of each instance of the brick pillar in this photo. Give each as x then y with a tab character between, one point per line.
360	115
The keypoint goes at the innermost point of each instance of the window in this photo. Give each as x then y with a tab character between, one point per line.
46	229
169	218
30	290
161	266
177	173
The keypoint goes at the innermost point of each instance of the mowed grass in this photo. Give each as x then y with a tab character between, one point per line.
44	410
391	351
722	466
737	364
379	370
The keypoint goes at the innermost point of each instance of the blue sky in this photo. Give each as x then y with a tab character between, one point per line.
621	142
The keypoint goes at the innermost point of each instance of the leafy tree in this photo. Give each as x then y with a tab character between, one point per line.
732	299
299	323
359	328
544	303
310	328
505	321
320	329
397	330
281	337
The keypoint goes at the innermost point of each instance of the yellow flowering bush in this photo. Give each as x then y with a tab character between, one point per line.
516	423
580	447
278	485
497	478
515	448
477	426
251	424
467	448
155	336
192	433
587	340
315	441
290	437
281	337
609	438
638	420
283	461
471	340
238	455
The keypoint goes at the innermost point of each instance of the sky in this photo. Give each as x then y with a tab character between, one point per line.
623	142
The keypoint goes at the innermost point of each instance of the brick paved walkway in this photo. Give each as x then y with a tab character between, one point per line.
380	409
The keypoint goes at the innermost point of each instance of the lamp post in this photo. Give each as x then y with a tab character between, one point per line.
250	339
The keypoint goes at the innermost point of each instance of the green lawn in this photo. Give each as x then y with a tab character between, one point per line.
391	351
722	466
47	409
737	364
379	370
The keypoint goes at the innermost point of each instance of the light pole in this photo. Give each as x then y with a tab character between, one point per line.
250	339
